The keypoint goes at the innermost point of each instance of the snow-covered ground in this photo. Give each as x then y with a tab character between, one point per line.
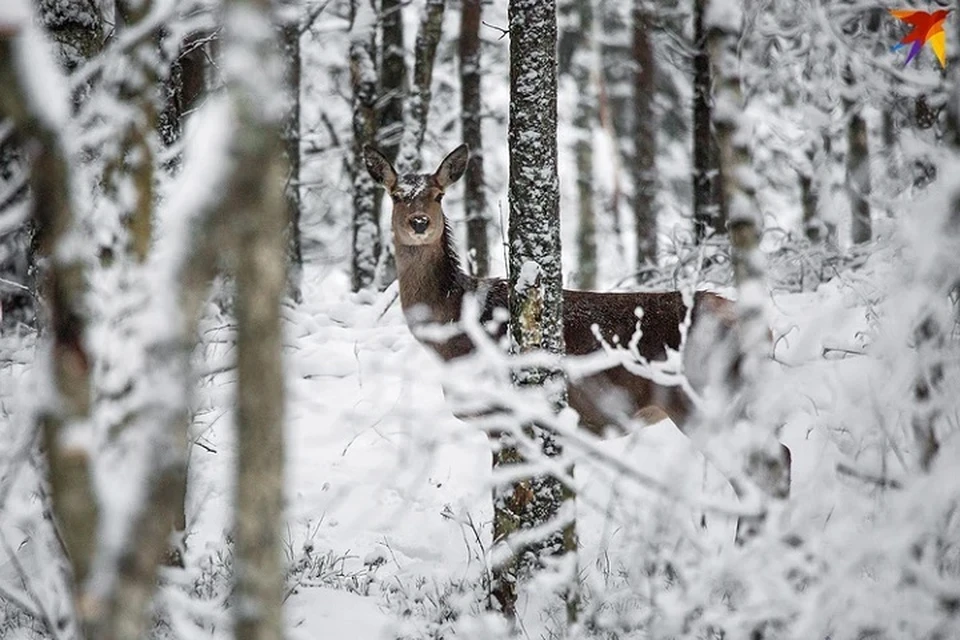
383	478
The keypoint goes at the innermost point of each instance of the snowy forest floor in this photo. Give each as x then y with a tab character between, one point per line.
388	494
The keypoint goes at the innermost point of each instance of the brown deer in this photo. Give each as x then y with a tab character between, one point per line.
433	285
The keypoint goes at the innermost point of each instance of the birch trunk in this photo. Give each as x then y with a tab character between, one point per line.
366	217
765	462
258	210
417	109
63	418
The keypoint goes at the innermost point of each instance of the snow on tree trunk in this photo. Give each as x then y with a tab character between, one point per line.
535	295
63	416
584	120
290	41
77	27
363	78
707	213
858	168
644	167
258	208
16	280
474	195
765	463
417	108
130	168
938	277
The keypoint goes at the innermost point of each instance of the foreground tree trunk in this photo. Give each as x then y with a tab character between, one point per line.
63	417
363	78
259	216
536	297
644	166
474	196
765	463
708	216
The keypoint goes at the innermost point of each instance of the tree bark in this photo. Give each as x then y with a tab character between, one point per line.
474	196
393	79
259	213
765	462
290	41
644	167
63	417
708	218
363	78
584	121
858	168
536	297
417	107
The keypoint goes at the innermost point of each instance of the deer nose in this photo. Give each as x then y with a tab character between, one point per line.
419	223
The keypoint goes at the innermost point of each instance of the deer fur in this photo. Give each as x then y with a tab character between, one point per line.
433	284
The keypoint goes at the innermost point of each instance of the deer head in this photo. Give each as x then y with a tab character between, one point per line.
417	215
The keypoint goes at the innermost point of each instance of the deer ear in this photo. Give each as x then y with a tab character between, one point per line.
379	167
452	167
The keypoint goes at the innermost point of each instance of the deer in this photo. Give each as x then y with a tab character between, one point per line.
433	285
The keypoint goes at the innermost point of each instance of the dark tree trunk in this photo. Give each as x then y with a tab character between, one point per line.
535	274
858	168
475	200
708	218
644	167
366	218
393	78
290	41
584	121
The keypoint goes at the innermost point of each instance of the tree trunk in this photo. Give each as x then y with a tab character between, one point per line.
393	79
290	41
708	218
535	273
584	120
363	78
644	167
259	210
63	419
474	196
765	462
858	169
418	103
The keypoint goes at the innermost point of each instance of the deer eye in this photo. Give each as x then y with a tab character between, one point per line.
438	197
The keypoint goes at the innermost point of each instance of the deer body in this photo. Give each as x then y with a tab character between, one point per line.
432	287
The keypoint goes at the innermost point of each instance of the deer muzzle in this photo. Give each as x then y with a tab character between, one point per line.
419	224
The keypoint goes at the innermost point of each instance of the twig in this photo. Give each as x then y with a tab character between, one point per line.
869	478
503	32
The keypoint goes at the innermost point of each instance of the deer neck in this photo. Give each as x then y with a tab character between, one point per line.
431	282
